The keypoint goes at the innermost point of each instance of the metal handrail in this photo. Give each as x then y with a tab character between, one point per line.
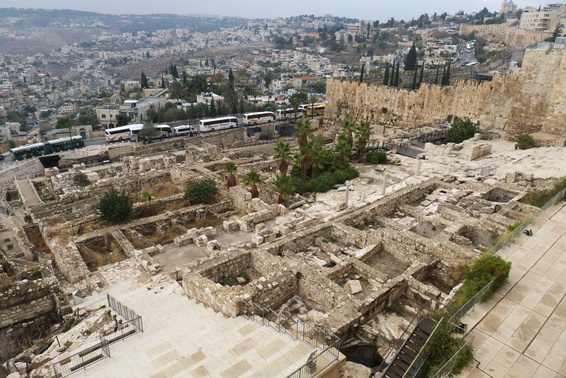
449	365
421	355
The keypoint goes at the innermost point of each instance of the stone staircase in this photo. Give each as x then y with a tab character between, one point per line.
403	364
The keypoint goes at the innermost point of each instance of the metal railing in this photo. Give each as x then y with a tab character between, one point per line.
478	298
519	230
411	326
317	362
327	344
420	359
82	359
125	312
447	368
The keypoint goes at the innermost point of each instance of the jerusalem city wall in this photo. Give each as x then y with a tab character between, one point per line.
510	36
509	105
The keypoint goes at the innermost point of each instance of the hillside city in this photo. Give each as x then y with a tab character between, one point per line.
321	196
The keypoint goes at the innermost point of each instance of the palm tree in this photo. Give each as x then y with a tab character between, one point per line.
303	130
283	154
231	169
285	186
348	126
343	148
317	155
252	179
148	209
363	132
295	102
176	90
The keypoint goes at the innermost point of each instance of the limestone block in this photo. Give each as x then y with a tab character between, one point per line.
306	223
231	225
247	196
510	177
201	240
213	245
269	237
257	240
353	286
259	227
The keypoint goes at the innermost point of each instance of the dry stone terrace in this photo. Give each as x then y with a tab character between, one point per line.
360	269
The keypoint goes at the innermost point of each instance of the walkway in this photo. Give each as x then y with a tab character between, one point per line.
28	194
521	330
184	339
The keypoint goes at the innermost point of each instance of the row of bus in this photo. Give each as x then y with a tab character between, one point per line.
131	132
52	146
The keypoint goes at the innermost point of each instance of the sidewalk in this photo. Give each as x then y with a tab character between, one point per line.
521	330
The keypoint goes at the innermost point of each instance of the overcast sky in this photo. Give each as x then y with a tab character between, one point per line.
364	9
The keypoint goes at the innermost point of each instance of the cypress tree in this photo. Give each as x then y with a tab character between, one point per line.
414	83
436	78
386	75
411	59
443	81
362	73
422	75
144	82
448	73
396	80
212	109
392	75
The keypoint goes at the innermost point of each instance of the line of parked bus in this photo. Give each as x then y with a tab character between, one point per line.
130	132
52	146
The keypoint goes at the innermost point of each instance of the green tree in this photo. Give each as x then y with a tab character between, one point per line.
411	58
386	74
231	169
320	86
348	127
461	130
285	187
362	73
295	102
253	178
63	123
363	132
317	155
303	131
201	191
396	79
343	148
212	109
144	82
148	209
122	120
524	142
148	132
115	207
176	90
283	155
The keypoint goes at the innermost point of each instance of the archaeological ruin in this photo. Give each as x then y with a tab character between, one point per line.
358	261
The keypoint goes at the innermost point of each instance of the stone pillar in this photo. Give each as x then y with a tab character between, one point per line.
418	167
347	192
384	184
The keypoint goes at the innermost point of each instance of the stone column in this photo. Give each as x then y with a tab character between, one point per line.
418	167
384	184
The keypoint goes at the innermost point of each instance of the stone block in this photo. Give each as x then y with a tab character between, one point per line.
201	240
257	240
353	286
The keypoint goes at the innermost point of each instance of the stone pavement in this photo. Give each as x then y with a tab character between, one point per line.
521	330
184	339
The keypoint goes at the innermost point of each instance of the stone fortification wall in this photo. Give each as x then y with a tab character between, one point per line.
509	105
510	36
20	170
24	301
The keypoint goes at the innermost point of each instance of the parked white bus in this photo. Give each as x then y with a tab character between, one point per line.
258	117
213	124
185	130
120	133
289	114
165	131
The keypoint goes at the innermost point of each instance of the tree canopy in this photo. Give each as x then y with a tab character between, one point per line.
115	207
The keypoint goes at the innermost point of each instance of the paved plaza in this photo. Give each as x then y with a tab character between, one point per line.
184	339
521	330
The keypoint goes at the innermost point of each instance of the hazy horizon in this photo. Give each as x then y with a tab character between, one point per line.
361	9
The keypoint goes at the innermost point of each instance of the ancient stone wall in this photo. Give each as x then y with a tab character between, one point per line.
20	169
510	36
24	301
509	105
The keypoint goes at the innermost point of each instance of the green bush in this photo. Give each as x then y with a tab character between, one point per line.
351	172
443	347
322	183
340	177
524	142
485	269
461	130
115	207
376	157
201	191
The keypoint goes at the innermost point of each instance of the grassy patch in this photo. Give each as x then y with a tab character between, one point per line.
541	197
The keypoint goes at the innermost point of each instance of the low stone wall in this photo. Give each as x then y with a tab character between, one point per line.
20	170
23	301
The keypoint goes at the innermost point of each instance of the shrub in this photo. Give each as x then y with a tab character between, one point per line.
340	177
80	179
461	130
201	191
524	142
115	207
443	347
376	157
322	183
484	270
352	172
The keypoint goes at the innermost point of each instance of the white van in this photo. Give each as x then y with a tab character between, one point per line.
185	130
